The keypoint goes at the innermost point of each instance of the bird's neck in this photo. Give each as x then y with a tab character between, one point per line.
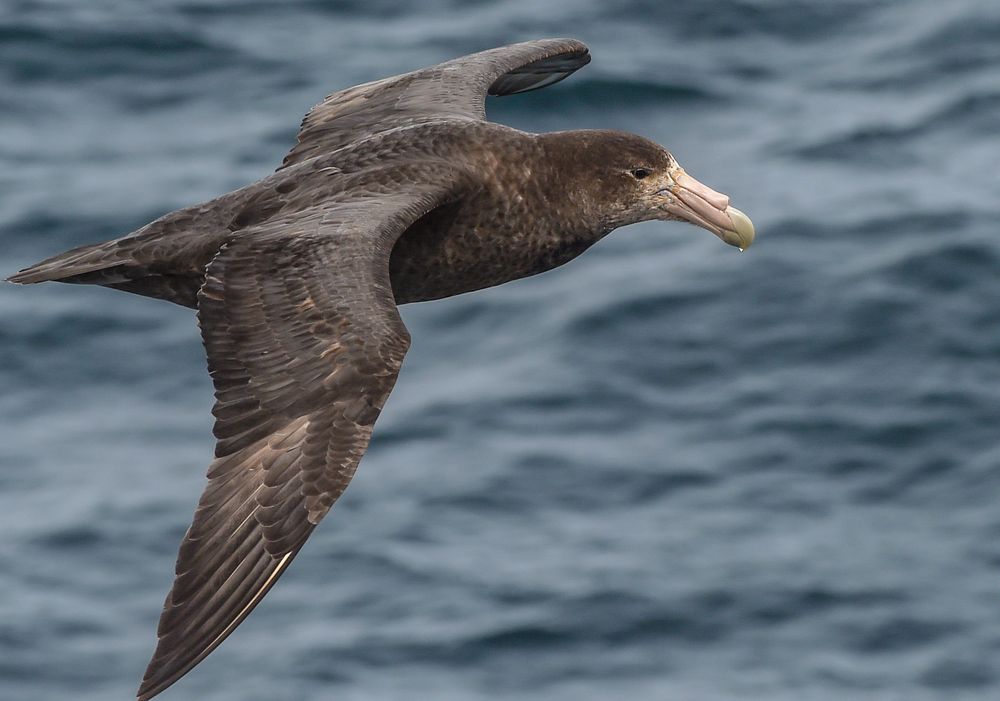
567	181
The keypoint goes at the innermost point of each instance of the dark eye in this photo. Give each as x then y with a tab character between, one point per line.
640	173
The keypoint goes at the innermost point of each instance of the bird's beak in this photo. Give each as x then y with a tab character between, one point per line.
695	202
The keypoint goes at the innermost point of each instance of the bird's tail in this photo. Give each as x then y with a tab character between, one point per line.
86	264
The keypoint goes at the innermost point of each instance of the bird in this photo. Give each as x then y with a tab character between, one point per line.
396	191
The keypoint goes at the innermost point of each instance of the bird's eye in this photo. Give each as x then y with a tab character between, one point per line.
640	173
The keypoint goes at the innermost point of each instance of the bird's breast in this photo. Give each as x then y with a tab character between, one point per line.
472	245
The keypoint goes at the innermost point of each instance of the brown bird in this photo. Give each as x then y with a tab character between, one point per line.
396	191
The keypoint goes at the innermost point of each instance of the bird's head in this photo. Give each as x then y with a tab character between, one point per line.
633	179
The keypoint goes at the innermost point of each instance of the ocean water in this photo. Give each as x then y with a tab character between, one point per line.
666	471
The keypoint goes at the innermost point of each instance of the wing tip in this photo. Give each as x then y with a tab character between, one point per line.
153	684
558	59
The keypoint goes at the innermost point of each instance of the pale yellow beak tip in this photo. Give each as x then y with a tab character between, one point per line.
743	232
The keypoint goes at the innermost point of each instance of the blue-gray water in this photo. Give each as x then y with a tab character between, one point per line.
665	471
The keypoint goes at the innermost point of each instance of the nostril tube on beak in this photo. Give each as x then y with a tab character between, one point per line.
716	199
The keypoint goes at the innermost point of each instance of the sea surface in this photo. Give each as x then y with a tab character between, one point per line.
667	471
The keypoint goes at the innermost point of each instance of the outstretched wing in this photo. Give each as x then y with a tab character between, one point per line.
456	89
304	343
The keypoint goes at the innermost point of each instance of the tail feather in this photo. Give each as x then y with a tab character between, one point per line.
71	264
165	259
114	264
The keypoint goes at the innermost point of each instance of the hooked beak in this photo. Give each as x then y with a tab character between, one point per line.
695	202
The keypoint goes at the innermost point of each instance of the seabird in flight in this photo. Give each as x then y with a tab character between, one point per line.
397	191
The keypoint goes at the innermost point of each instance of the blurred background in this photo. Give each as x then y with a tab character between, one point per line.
665	471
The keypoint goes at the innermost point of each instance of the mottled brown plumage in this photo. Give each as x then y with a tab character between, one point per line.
396	191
